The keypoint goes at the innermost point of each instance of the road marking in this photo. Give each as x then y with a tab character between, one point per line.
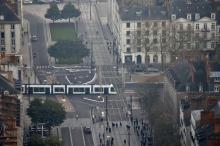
94	100
68	80
129	91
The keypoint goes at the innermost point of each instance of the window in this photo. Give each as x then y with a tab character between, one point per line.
139	33
12	34
155	32
212	15
128	25
147	41
12	26
128	33
197	26
173	16
128	41
128	50
212	45
213	35
2	42
139	24
189	27
163	32
155	24
188	16
138	49
13	42
147	33
13	49
213	26
147	24
2	35
2	26
155	41
138	42
163	24
163	40
3	49
181	26
197	16
205	26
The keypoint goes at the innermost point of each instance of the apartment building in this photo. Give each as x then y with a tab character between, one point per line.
10	41
148	34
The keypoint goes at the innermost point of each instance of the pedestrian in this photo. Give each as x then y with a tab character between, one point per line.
103	135
112	141
116	125
99	135
124	141
100	140
120	124
109	130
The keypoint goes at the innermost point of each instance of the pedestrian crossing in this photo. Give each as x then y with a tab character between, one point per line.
43	67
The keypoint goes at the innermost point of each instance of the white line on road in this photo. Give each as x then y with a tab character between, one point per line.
94	100
68	80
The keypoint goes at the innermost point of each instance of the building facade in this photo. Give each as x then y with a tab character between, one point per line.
10	41
145	35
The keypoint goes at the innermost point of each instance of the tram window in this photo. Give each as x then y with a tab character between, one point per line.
112	89
78	89
38	89
59	89
98	89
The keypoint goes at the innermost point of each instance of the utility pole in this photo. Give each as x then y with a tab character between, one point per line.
29	95
90	10
131	109
91	61
106	110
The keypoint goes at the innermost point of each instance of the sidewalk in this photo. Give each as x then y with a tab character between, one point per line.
27	56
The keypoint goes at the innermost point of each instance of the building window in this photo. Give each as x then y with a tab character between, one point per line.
189	27
128	41
128	33
3	49
173	16
163	32
213	26
12	26
147	41
147	32
213	16
138	49
138	42
155	59
205	26
128	25
197	26
155	41
147	24
155	24
197	16
163	40
213	35
188	16
139	33
12	34
139	25
181	26
155	32
2	26
2	35
13	49
212	45
163	24
13	42
128	50
2	41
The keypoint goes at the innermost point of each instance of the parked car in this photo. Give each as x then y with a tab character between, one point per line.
34	38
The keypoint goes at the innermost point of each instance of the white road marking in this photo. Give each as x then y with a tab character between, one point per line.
68	80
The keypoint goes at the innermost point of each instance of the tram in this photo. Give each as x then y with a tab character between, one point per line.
67	89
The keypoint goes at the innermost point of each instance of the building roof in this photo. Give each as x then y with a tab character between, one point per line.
7	14
138	13
181	8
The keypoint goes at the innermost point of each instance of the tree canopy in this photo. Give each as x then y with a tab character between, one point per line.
68	52
48	111
35	140
53	12
69	11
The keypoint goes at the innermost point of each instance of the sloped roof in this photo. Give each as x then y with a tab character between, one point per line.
7	14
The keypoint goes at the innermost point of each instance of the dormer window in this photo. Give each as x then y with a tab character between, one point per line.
197	16
173	17
189	17
213	16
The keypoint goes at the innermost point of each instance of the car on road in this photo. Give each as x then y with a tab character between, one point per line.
87	130
34	38
27	1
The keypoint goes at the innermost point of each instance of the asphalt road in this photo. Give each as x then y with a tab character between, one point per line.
39	48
